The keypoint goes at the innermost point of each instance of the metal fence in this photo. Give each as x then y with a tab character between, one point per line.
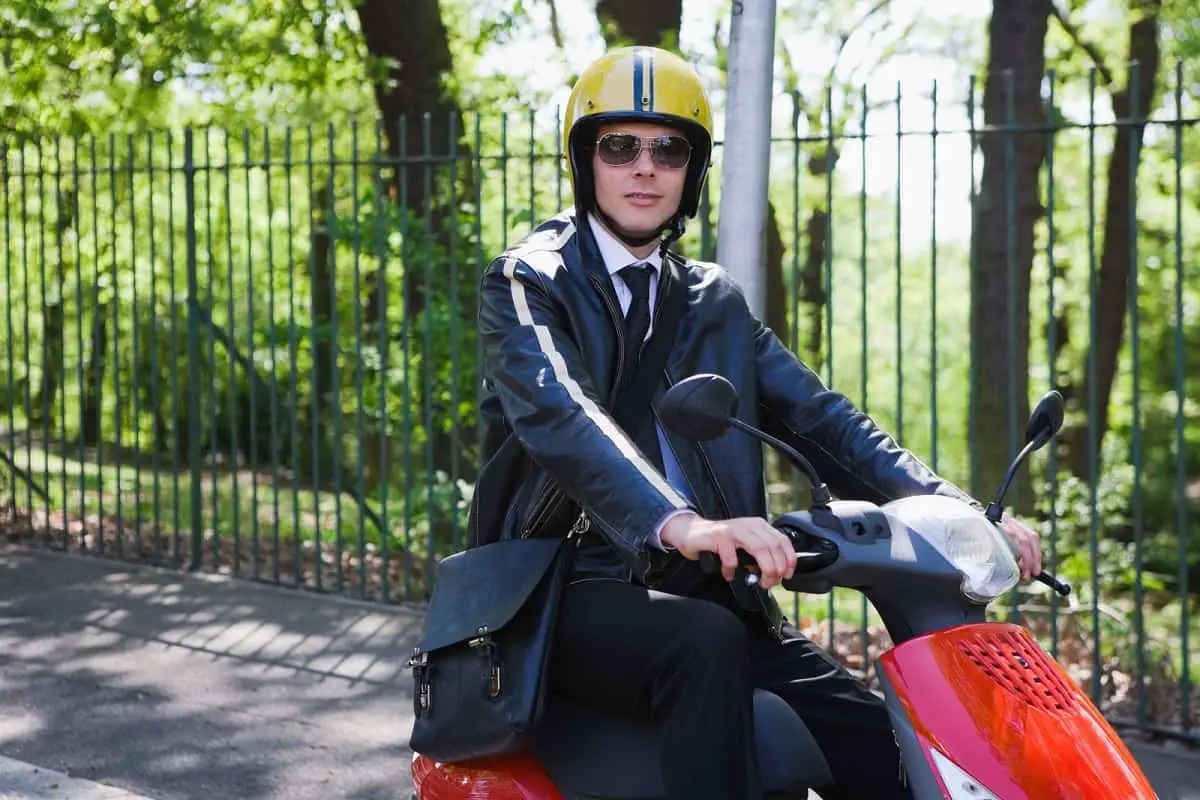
253	351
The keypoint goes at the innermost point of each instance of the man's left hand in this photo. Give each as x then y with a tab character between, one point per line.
1028	544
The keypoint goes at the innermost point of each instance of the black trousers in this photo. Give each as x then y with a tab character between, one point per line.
692	664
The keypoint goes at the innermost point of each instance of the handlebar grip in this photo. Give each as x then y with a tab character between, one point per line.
1057	584
710	563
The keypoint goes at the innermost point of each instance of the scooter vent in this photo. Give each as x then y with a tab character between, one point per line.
1024	669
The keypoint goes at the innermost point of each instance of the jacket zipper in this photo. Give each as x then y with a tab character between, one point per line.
618	320
614	311
777	629
549	500
658	420
712	474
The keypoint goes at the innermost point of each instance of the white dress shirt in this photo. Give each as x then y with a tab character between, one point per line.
616	257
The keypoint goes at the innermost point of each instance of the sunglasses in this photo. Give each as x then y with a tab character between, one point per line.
621	149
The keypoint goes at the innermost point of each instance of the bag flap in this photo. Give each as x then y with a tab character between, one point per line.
484	586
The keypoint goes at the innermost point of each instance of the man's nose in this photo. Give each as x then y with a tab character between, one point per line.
644	163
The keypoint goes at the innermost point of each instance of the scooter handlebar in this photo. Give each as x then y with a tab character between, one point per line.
710	564
1054	582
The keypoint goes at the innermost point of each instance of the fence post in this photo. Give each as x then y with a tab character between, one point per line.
193	350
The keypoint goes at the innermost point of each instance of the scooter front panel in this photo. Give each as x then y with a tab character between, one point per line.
989	699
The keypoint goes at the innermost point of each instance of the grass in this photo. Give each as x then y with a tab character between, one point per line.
245	518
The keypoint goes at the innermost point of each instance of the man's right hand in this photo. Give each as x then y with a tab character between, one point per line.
692	535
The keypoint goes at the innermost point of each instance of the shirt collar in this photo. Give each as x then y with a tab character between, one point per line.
616	256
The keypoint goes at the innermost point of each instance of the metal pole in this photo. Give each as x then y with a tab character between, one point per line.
741	226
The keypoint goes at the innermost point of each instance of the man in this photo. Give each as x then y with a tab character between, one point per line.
561	318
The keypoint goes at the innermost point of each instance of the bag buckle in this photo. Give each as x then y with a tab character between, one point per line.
484	645
419	664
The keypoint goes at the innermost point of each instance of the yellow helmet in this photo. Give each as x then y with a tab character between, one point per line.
638	84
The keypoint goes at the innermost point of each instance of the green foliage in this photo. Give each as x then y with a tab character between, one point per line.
75	67
1182	18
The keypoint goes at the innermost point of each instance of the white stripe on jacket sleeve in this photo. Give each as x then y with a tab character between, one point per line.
593	412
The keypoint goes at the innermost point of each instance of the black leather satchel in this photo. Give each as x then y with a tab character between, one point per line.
480	670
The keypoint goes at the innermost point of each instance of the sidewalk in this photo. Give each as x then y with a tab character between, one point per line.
175	687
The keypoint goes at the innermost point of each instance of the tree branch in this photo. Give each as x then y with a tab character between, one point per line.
845	36
1076	36
555	28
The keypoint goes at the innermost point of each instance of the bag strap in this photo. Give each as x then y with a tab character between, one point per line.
633	399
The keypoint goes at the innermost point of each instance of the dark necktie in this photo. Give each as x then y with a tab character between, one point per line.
637	323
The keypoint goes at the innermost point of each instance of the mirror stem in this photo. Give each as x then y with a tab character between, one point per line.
820	492
995	509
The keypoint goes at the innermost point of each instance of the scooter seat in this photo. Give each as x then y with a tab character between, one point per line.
594	754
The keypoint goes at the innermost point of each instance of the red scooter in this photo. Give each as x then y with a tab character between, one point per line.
980	711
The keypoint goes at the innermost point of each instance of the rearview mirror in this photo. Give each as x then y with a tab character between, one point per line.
703	407
1045	420
699	407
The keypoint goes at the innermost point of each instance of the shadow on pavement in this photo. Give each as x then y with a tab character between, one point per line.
177	686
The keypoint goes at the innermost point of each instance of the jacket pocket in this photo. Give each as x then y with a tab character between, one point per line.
551	512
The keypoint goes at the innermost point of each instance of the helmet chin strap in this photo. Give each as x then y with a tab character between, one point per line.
626	236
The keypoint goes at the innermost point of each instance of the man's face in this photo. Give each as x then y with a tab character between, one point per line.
642	194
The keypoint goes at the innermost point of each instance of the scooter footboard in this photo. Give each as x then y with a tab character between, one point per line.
982	711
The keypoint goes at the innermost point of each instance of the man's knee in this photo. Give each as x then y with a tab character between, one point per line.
712	632
704	663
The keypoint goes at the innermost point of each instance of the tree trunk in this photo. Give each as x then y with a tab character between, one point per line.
1003	232
812	287
424	126
1112	287
417	115
53	364
817	228
91	425
646	22
777	310
324	348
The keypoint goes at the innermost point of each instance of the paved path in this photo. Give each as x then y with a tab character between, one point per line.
176	687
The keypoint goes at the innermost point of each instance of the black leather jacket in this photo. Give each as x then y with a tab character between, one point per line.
549	323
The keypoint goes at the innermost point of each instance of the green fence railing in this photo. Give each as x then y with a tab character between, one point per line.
254	352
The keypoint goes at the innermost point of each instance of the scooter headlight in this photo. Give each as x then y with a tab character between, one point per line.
965	538
958	784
